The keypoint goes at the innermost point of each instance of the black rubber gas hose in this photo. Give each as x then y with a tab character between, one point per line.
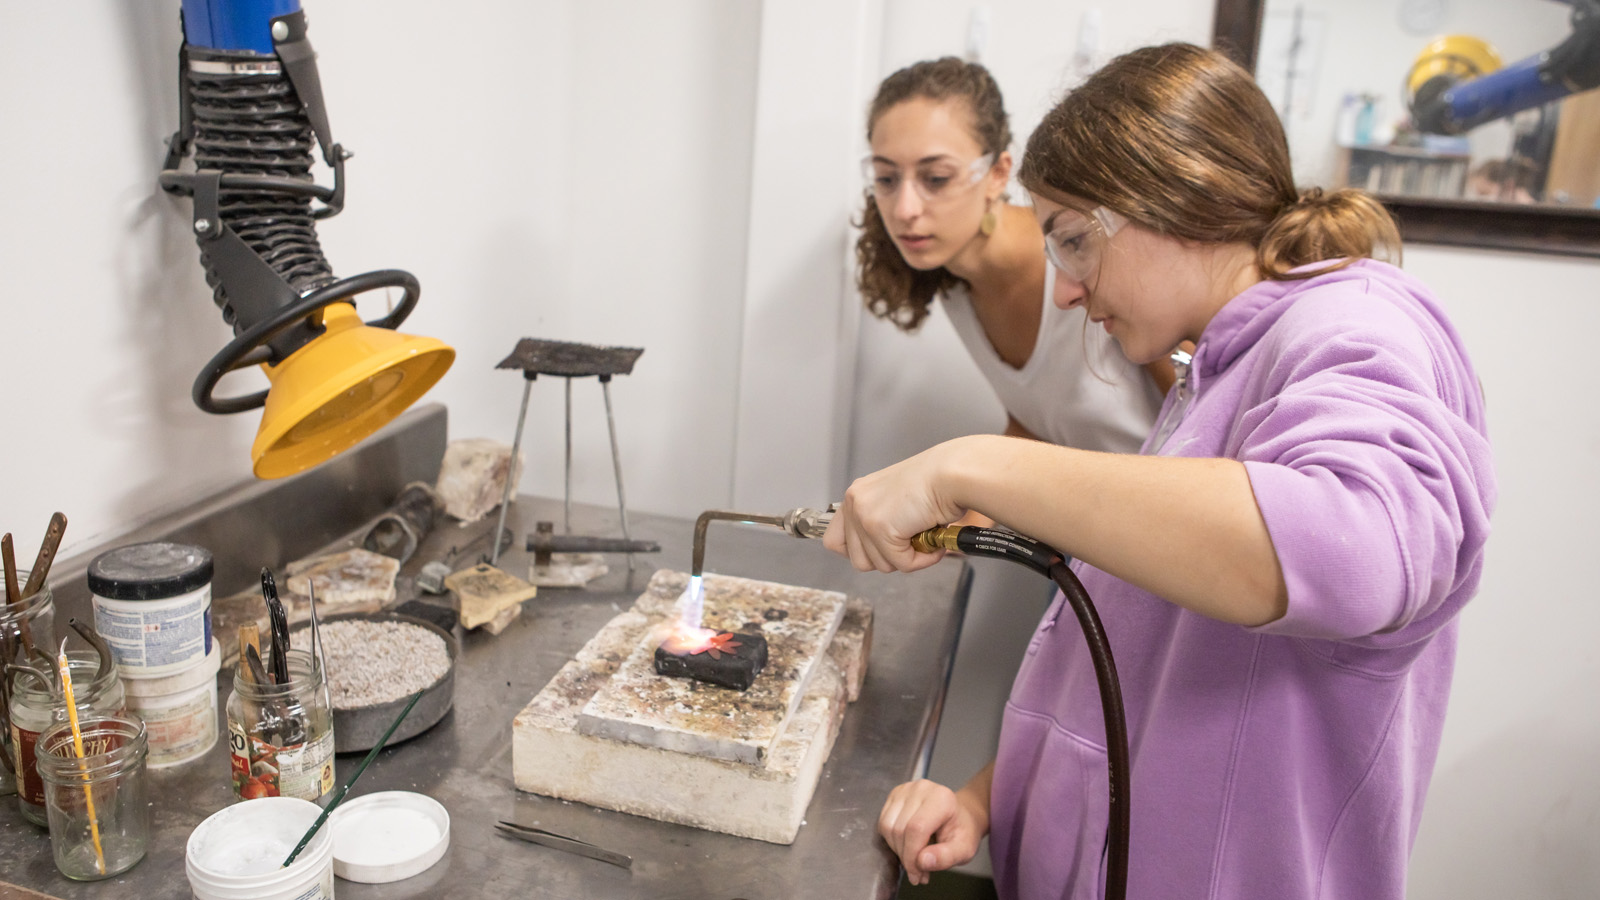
1046	561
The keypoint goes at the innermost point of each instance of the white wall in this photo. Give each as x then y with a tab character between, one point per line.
1514	810
818	65
575	170
106	316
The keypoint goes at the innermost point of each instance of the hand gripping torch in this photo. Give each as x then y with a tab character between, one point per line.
1003	544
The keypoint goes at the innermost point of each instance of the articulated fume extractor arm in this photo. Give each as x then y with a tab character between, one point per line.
250	111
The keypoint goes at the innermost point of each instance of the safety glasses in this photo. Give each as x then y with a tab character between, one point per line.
934	180
1076	242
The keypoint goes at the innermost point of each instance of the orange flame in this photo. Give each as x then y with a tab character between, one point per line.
683	639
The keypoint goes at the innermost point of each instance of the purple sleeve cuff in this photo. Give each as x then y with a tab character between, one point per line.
1337	546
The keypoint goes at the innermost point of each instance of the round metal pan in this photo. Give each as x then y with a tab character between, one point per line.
360	729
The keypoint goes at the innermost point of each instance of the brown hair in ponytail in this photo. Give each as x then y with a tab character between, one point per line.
1180	140
1346	223
892	289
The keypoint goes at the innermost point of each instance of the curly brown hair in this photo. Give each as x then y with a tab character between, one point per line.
891	288
1180	140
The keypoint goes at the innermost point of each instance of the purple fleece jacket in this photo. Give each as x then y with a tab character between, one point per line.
1290	760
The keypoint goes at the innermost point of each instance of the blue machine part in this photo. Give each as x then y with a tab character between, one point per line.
1517	87
234	24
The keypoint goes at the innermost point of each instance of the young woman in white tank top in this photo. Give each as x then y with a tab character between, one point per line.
936	224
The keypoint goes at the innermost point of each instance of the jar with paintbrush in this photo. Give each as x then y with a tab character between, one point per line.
280	721
94	786
93	771
27	629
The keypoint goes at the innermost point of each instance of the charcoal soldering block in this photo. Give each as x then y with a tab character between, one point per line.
733	660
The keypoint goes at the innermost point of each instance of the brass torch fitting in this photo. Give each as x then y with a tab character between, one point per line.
942	537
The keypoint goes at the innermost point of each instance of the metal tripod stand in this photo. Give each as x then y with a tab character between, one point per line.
535	357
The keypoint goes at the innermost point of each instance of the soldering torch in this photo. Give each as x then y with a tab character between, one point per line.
802	523
998	542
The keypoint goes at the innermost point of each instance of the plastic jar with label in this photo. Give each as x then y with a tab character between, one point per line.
35	707
280	736
27	623
152	604
179	711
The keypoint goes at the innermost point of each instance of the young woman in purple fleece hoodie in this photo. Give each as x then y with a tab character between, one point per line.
1279	572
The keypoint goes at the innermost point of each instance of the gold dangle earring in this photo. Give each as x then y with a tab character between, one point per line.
989	222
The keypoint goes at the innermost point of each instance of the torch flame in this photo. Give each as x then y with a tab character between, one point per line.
692	602
685	636
683	639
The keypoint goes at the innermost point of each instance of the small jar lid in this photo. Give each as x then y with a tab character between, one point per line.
388	836
152	571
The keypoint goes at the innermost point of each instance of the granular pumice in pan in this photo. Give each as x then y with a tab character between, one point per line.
376	662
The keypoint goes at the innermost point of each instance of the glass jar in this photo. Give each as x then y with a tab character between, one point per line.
99	820
35	707
30	623
280	736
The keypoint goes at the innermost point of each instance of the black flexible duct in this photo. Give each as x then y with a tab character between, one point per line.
1047	562
251	122
255	125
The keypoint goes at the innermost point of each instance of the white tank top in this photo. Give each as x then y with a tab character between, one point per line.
1077	389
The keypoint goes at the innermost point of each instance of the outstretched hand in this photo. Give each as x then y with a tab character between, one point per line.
932	828
883	511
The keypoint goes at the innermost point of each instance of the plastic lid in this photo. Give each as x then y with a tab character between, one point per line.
152	571
388	836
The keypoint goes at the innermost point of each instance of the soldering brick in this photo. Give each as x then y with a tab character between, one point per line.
852	646
640	706
765	801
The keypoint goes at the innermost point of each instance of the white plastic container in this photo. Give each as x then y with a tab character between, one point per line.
180	711
152	604
236	854
388	836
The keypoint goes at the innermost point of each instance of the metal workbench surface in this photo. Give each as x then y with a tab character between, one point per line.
465	761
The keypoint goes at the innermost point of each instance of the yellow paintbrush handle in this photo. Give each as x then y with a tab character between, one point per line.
77	746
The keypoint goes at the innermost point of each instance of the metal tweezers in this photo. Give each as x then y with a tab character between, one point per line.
562	842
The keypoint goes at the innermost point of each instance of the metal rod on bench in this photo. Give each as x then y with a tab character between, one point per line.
511	468
566	521
616	465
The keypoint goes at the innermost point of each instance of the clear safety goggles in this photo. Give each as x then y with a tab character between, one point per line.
934	180
1075	246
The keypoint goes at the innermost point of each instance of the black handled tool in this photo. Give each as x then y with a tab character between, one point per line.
279	620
